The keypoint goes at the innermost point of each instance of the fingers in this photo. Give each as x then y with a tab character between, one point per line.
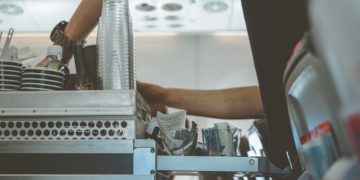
157	108
154	96
42	62
142	85
147	89
139	85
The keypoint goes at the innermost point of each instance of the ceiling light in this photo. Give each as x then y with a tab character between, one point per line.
172	18
145	7
215	6
150	26
172	7
175	25
11	9
152	34
149	18
230	33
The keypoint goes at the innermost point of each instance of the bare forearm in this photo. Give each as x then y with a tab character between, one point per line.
84	19
235	103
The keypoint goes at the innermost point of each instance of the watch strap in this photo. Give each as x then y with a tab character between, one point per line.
58	36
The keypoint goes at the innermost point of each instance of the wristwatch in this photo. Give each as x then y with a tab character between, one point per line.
59	38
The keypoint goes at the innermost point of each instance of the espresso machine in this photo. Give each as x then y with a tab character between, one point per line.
97	133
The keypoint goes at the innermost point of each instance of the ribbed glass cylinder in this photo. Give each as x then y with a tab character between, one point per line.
115	41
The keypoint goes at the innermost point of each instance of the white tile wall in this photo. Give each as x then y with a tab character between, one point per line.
168	61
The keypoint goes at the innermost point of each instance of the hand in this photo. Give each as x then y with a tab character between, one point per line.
154	95
42	62
67	55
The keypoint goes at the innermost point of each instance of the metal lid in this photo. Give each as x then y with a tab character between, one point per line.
54	50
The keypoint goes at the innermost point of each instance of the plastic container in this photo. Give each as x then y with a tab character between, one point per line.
115	47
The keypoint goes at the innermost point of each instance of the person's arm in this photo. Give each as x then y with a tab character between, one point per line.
84	19
234	103
80	25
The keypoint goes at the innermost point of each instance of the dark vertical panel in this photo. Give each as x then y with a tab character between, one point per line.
274	27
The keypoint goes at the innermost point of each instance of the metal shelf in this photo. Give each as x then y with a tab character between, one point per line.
252	165
55	103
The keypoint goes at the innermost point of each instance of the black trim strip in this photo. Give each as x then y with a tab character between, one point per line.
66	164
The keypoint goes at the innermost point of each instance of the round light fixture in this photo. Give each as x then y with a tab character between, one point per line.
172	18
172	7
145	7
149	18
175	25
150	26
11	9
215	6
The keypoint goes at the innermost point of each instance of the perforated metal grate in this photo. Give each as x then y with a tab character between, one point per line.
64	130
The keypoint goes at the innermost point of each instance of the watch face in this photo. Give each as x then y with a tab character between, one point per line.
60	39
59	27
58	36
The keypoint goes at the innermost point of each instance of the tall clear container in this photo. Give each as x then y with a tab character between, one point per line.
115	47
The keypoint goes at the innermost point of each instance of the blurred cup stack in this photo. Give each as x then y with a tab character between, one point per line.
42	79
10	66
115	47
10	75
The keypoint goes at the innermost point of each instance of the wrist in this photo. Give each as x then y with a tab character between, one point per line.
67	55
169	96
61	36
70	34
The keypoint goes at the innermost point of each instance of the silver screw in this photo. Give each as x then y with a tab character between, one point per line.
252	162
